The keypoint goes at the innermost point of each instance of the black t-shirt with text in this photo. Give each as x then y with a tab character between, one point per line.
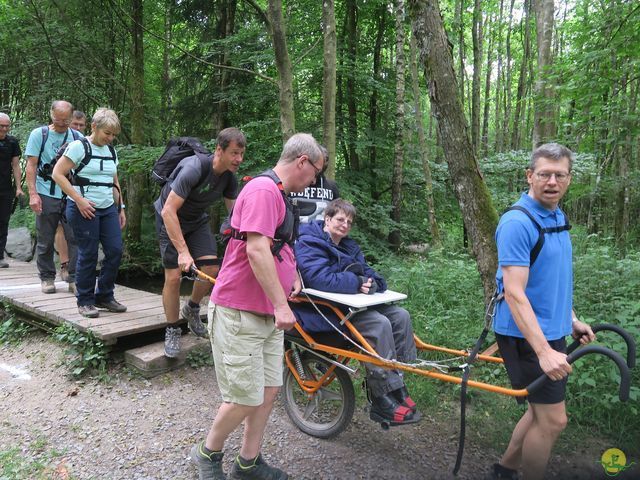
198	195
313	200
9	148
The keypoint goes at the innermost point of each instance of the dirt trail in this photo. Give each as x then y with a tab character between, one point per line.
134	428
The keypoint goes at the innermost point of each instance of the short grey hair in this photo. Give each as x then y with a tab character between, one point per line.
301	144
61	106
106	118
4	116
551	151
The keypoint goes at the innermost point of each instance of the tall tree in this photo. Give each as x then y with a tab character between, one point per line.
396	178
479	215
476	34
351	38
329	83
544	126
285	70
136	182
422	146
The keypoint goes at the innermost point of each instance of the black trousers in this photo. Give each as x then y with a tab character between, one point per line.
6	203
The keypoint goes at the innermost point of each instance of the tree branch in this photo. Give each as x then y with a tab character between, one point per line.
191	55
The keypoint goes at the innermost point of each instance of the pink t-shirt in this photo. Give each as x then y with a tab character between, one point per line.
259	208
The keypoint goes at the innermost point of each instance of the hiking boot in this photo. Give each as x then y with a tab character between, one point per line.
498	472
3	263
72	288
172	342
48	286
258	470
64	271
192	315
403	398
88	311
112	305
209	466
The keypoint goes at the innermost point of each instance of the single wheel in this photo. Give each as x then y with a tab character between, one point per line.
329	410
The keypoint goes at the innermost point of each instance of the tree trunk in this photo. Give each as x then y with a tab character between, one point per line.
544	128
484	142
516	138
476	34
458	21
351	35
506	117
136	182
329	84
479	216
285	70
423	148
396	178
373	101
166	102
225	29
498	109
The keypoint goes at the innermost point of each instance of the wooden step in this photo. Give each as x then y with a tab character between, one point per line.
150	361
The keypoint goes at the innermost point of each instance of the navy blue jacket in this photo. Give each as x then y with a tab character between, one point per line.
330	268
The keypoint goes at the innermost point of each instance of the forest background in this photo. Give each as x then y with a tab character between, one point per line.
429	111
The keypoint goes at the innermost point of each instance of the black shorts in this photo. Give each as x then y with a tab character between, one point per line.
197	235
523	368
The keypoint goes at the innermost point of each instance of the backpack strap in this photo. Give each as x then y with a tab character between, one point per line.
535	251
45	135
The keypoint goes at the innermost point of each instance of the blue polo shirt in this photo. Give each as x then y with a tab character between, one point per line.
550	284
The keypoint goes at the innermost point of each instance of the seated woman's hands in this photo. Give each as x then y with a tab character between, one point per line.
369	286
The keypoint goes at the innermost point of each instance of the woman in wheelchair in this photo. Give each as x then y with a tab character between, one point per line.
330	261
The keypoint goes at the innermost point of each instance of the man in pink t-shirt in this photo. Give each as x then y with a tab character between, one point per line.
249	311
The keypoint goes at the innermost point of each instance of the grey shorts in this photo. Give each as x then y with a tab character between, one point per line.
247	353
197	235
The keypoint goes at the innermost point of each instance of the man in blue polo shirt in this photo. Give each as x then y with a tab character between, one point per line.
537	314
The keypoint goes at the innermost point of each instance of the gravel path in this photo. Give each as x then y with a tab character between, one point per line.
139	429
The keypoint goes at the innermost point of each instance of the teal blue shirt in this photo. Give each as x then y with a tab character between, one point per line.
550	283
96	171
54	142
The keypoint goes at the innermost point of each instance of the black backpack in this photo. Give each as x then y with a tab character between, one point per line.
46	169
287	231
177	149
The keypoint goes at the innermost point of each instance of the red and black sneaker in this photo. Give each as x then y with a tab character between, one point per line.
386	409
403	398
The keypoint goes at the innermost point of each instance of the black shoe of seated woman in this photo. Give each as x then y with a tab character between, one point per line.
403	398
385	408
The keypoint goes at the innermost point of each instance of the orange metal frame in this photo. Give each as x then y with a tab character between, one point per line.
344	355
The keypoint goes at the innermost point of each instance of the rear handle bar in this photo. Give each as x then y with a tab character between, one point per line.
625	376
631	344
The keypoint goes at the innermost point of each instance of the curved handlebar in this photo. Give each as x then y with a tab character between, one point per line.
625	376
631	344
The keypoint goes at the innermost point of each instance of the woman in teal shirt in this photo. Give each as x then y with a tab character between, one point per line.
95	211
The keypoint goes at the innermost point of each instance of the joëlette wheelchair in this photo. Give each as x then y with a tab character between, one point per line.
318	392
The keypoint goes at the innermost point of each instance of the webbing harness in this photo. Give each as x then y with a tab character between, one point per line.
287	231
45	172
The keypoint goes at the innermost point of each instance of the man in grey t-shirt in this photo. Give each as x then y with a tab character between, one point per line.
183	227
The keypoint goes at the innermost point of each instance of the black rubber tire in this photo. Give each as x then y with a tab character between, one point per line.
329	411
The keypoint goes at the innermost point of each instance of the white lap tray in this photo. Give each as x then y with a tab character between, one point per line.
357	300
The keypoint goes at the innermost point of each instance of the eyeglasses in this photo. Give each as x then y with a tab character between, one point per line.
546	176
345	220
5	126
318	171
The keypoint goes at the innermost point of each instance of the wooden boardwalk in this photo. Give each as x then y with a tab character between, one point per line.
20	287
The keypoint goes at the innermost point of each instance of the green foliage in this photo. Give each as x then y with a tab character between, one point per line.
84	353
199	358
36	464
12	330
